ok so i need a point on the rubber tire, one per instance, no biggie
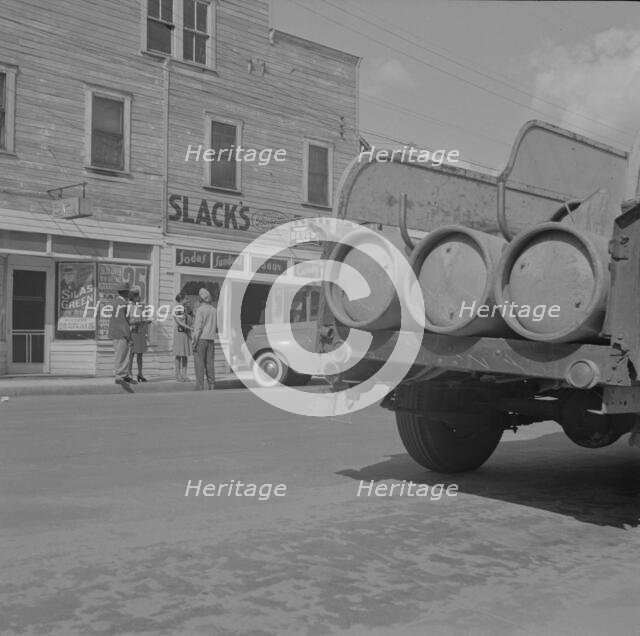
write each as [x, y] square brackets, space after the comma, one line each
[282, 374]
[433, 444]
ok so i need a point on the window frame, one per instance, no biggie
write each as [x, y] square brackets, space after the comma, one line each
[305, 172]
[174, 28]
[239, 124]
[10, 72]
[209, 32]
[126, 99]
[177, 39]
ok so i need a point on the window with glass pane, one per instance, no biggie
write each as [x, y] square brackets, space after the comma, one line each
[196, 31]
[318, 175]
[107, 133]
[223, 170]
[3, 108]
[159, 25]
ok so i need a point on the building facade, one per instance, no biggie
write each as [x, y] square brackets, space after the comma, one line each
[110, 114]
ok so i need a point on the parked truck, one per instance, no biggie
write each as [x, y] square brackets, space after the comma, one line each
[559, 227]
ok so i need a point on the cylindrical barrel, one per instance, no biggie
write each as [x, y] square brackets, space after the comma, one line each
[553, 281]
[369, 255]
[455, 267]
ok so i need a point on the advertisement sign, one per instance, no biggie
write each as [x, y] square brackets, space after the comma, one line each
[275, 266]
[76, 289]
[193, 258]
[70, 208]
[208, 215]
[308, 270]
[110, 276]
[226, 260]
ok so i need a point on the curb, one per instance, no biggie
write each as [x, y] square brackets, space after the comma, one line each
[100, 386]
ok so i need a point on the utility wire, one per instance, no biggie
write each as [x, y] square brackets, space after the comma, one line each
[428, 64]
[387, 104]
[475, 69]
[377, 133]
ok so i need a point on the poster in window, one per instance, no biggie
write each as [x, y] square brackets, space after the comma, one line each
[110, 276]
[76, 290]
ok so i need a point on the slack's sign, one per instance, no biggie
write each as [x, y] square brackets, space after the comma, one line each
[223, 216]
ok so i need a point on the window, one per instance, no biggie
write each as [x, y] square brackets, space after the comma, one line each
[305, 304]
[132, 251]
[7, 107]
[160, 26]
[195, 34]
[3, 109]
[224, 169]
[108, 130]
[78, 246]
[184, 29]
[318, 171]
[27, 241]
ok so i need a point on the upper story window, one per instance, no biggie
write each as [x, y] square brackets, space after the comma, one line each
[3, 109]
[108, 130]
[195, 34]
[318, 172]
[182, 28]
[7, 107]
[224, 138]
[160, 26]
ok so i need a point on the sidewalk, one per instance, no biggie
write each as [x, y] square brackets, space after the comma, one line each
[13, 386]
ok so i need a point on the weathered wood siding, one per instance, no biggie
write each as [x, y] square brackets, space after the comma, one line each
[58, 47]
[3, 305]
[72, 358]
[304, 91]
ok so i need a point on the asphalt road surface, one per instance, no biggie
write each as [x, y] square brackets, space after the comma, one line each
[99, 538]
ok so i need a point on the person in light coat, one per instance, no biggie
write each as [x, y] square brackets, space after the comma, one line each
[120, 334]
[205, 326]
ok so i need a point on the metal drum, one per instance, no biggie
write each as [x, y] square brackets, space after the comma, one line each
[370, 256]
[561, 269]
[455, 267]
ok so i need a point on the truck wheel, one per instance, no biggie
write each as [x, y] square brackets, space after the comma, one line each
[268, 369]
[461, 443]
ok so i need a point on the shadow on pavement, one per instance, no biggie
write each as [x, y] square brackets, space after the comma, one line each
[550, 473]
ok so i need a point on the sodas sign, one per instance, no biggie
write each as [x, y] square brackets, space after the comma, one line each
[193, 258]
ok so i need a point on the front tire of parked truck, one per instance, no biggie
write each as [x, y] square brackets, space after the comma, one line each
[452, 444]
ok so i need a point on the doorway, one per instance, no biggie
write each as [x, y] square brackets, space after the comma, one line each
[28, 331]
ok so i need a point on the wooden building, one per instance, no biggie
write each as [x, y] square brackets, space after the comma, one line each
[100, 103]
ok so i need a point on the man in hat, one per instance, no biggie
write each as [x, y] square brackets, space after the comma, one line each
[204, 333]
[120, 334]
[69, 279]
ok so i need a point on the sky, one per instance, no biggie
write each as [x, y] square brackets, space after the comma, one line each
[465, 75]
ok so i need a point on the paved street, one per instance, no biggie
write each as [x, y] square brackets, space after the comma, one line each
[99, 538]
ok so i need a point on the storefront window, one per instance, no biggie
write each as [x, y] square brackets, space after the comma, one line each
[79, 246]
[76, 290]
[133, 251]
[110, 276]
[191, 284]
[26, 241]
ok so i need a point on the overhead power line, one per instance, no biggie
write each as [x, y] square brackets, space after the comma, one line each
[387, 104]
[435, 67]
[377, 133]
[472, 68]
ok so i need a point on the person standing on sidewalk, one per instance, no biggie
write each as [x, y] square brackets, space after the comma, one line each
[204, 333]
[139, 330]
[182, 338]
[120, 334]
